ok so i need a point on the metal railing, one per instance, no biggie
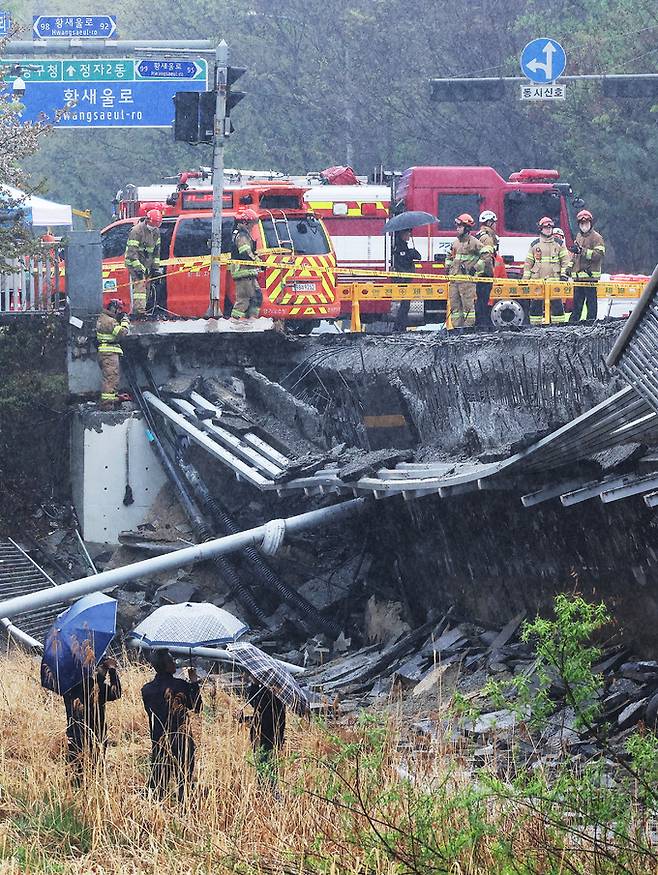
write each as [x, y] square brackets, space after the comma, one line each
[437, 289]
[33, 284]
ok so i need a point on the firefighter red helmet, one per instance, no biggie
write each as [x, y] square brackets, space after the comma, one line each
[154, 217]
[246, 215]
[585, 216]
[545, 220]
[465, 219]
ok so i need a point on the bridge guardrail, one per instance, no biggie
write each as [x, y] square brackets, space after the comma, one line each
[31, 285]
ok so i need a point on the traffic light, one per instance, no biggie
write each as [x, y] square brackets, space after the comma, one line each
[195, 116]
[630, 86]
[195, 111]
[466, 90]
[207, 101]
[232, 97]
[186, 121]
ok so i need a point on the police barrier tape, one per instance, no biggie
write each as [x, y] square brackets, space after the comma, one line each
[435, 287]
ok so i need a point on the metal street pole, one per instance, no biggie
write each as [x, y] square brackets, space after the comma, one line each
[12, 607]
[221, 65]
[92, 47]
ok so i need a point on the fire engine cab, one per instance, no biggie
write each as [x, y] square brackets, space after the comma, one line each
[298, 283]
[355, 214]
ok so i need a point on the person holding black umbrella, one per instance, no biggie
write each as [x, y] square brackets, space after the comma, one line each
[267, 731]
[86, 732]
[404, 258]
[167, 701]
[271, 691]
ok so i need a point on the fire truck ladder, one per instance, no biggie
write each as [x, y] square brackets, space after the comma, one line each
[283, 244]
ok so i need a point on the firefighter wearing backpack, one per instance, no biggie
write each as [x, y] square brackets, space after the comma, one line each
[588, 251]
[111, 326]
[143, 257]
[465, 259]
[489, 240]
[248, 296]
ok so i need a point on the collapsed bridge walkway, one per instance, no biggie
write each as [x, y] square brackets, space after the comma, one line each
[622, 419]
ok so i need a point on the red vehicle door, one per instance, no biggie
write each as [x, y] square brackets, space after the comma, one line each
[116, 281]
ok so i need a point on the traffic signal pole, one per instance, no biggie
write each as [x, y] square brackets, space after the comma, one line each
[221, 67]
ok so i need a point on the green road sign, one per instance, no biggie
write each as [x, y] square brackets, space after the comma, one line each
[109, 70]
[98, 70]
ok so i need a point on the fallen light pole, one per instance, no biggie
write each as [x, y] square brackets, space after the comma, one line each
[177, 558]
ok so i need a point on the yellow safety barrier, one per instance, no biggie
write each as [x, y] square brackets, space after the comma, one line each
[502, 289]
[432, 287]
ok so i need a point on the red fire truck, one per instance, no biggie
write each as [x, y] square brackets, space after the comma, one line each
[355, 214]
[299, 283]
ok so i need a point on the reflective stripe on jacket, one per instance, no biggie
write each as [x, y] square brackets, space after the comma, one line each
[109, 331]
[465, 255]
[143, 248]
[489, 240]
[242, 248]
[546, 260]
[589, 261]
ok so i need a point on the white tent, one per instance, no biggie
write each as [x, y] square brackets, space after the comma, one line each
[45, 213]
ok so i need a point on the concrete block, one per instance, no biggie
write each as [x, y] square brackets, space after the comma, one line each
[100, 443]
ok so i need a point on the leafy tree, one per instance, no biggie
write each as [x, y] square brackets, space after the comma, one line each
[329, 83]
[18, 140]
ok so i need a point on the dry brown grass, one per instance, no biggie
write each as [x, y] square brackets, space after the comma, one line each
[111, 826]
[231, 825]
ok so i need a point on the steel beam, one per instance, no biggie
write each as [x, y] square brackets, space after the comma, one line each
[651, 500]
[593, 489]
[229, 440]
[204, 440]
[637, 486]
[549, 492]
[256, 442]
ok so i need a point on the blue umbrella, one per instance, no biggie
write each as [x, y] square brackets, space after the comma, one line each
[77, 641]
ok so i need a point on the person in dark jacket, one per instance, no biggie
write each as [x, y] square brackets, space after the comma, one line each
[404, 257]
[86, 732]
[267, 731]
[167, 701]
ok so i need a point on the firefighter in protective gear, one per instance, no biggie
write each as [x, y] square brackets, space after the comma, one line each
[111, 326]
[248, 296]
[489, 240]
[143, 257]
[547, 259]
[465, 259]
[588, 251]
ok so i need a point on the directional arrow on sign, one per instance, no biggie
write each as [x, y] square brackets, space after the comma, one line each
[536, 65]
[70, 70]
[543, 61]
[167, 69]
[73, 26]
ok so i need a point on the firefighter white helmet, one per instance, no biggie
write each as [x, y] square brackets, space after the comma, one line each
[488, 216]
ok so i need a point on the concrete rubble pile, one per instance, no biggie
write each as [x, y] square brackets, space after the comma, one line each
[419, 676]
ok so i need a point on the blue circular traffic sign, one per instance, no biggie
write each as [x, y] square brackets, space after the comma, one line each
[543, 60]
